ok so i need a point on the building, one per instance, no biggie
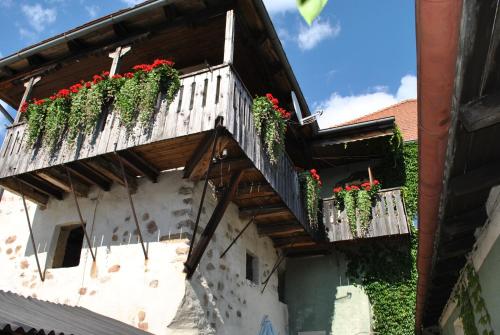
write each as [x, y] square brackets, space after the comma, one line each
[458, 253]
[170, 216]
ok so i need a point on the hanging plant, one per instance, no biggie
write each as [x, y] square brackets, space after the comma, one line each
[311, 183]
[357, 201]
[270, 122]
[78, 109]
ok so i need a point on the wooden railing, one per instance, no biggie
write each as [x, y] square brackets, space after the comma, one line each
[203, 96]
[388, 218]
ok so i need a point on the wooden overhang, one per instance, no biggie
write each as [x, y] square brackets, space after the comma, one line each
[472, 160]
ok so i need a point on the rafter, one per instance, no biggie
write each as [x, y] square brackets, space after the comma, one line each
[41, 185]
[89, 175]
[140, 165]
[60, 180]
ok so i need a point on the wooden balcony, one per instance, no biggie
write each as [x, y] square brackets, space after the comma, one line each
[271, 193]
[388, 218]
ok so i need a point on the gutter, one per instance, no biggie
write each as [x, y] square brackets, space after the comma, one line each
[437, 28]
[383, 123]
[85, 29]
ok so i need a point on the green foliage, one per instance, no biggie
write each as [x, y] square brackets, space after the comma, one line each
[36, 113]
[311, 184]
[58, 111]
[127, 100]
[472, 303]
[364, 202]
[388, 274]
[410, 186]
[350, 207]
[270, 122]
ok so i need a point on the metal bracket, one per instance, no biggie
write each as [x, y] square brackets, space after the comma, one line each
[238, 236]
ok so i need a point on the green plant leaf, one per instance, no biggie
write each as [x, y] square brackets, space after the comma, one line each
[310, 9]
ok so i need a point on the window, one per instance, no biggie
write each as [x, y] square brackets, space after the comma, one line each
[69, 247]
[252, 268]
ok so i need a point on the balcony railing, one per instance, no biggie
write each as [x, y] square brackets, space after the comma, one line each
[203, 96]
[388, 218]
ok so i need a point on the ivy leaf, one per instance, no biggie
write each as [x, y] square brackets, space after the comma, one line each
[310, 9]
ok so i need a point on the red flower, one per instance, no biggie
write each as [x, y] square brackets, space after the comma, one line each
[275, 102]
[337, 189]
[39, 102]
[117, 76]
[75, 88]
[53, 97]
[313, 171]
[143, 67]
[64, 93]
[160, 62]
[105, 73]
[368, 188]
[88, 84]
[96, 79]
[269, 96]
[24, 107]
[129, 75]
[376, 182]
[348, 188]
[355, 188]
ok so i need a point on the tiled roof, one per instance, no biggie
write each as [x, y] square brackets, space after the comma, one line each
[405, 114]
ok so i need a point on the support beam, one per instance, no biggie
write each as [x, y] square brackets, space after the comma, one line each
[229, 38]
[60, 180]
[252, 190]
[288, 242]
[41, 185]
[226, 166]
[476, 180]
[140, 165]
[481, 113]
[88, 175]
[279, 229]
[27, 93]
[262, 210]
[195, 257]
[237, 237]
[112, 171]
[30, 193]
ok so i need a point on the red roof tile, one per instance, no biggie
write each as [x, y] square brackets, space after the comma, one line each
[405, 114]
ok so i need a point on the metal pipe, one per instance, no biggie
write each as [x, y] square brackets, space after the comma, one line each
[79, 32]
[210, 165]
[70, 179]
[237, 237]
[33, 244]
[131, 202]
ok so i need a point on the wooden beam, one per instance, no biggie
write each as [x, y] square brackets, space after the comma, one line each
[476, 180]
[279, 229]
[297, 241]
[140, 165]
[226, 166]
[218, 213]
[229, 37]
[36, 60]
[27, 93]
[481, 113]
[60, 180]
[30, 193]
[200, 156]
[116, 56]
[112, 171]
[41, 185]
[262, 210]
[89, 175]
[249, 191]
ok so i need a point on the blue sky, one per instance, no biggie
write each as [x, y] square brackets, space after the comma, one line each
[358, 57]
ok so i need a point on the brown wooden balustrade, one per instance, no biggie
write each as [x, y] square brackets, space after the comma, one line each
[271, 193]
[388, 218]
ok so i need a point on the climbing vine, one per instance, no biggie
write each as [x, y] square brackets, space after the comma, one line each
[77, 110]
[357, 202]
[311, 183]
[388, 274]
[270, 122]
[472, 303]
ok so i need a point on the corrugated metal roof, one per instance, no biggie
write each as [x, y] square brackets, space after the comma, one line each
[27, 315]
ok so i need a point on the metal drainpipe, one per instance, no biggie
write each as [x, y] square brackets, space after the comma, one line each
[437, 27]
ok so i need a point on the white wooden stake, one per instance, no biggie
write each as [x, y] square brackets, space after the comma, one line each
[229, 38]
[116, 55]
[27, 92]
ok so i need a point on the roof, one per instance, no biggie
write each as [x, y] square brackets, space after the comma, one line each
[405, 113]
[22, 315]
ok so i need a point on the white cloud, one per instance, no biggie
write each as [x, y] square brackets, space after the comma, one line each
[92, 10]
[280, 6]
[339, 109]
[38, 16]
[131, 3]
[309, 37]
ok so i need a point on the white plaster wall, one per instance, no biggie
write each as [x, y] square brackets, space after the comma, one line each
[152, 295]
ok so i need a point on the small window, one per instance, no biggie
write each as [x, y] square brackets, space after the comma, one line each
[69, 247]
[252, 268]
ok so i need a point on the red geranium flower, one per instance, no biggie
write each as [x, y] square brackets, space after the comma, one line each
[117, 76]
[88, 84]
[24, 107]
[96, 79]
[348, 188]
[376, 182]
[129, 75]
[337, 189]
[64, 93]
[355, 188]
[105, 73]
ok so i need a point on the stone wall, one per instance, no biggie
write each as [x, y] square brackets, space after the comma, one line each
[152, 295]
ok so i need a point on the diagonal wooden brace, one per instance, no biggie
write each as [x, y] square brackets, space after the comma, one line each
[238, 236]
[197, 253]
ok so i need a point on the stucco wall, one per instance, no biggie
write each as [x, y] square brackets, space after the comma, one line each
[153, 294]
[321, 298]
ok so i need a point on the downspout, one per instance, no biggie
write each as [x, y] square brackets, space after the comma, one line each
[437, 28]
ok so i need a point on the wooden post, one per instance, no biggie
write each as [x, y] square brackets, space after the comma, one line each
[229, 38]
[116, 55]
[370, 175]
[27, 92]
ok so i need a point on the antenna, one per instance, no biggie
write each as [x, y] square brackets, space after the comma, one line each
[308, 119]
